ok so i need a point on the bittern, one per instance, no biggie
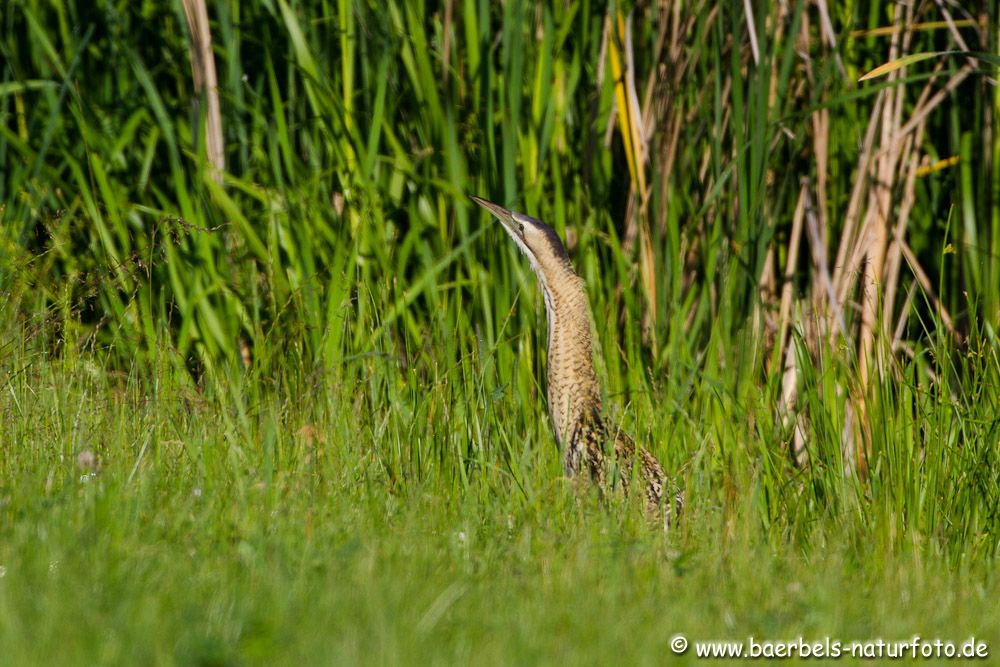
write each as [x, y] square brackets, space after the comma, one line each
[576, 413]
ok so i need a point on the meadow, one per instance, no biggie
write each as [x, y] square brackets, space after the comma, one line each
[272, 388]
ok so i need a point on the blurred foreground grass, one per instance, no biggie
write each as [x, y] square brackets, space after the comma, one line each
[292, 409]
[167, 528]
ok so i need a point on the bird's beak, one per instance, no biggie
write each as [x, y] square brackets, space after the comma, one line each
[501, 214]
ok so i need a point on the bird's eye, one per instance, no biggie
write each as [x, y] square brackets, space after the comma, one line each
[521, 227]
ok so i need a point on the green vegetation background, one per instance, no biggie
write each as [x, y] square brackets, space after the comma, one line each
[298, 414]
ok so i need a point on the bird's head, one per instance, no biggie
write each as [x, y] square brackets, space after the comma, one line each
[537, 241]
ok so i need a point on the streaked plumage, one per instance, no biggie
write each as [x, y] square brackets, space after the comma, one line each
[574, 392]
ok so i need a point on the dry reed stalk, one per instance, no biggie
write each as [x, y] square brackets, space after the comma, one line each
[904, 316]
[820, 121]
[636, 141]
[206, 83]
[957, 36]
[842, 279]
[893, 263]
[928, 287]
[788, 409]
[821, 273]
[752, 30]
[923, 25]
[446, 41]
[866, 245]
[920, 114]
[788, 402]
[829, 36]
[792, 260]
[875, 240]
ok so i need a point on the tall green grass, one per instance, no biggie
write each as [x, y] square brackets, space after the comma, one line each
[317, 386]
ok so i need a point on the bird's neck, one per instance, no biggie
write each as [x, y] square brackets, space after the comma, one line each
[574, 391]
